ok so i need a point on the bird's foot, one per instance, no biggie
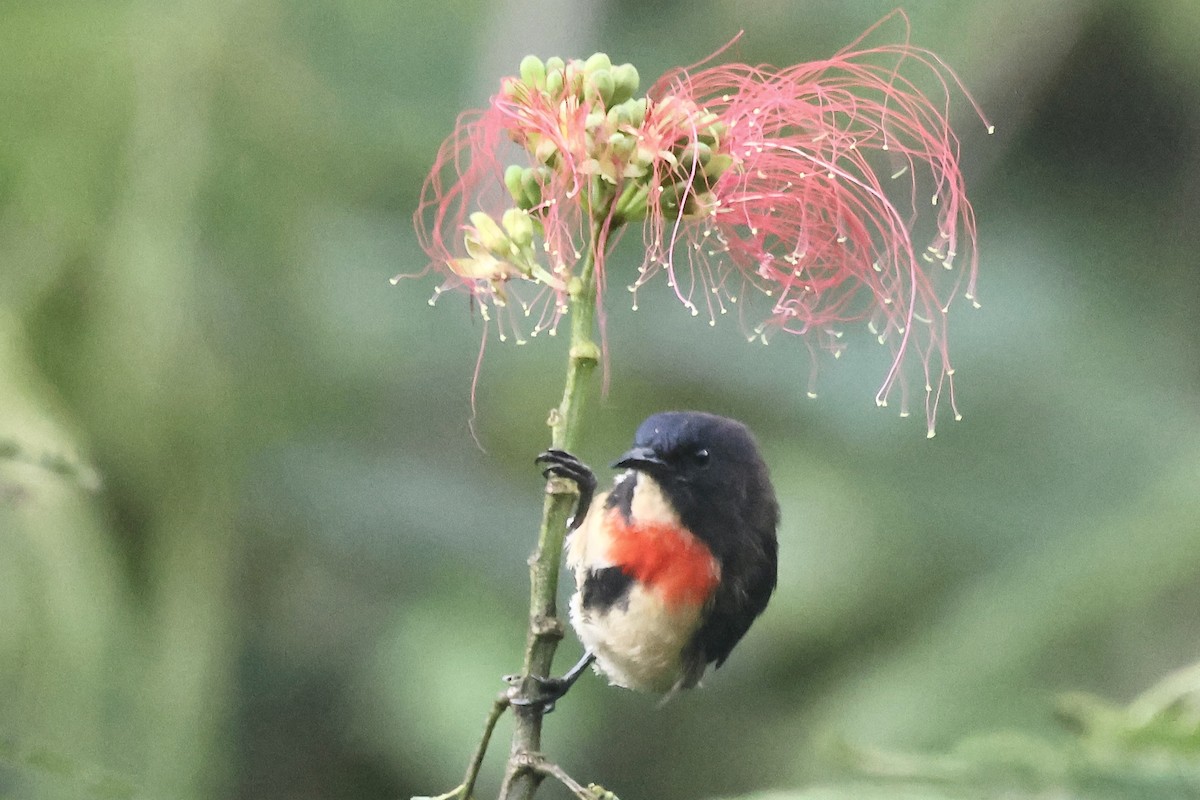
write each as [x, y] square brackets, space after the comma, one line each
[560, 463]
[548, 691]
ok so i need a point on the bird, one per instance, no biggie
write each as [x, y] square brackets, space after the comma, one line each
[674, 563]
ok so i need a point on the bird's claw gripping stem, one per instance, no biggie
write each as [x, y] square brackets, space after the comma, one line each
[550, 690]
[562, 464]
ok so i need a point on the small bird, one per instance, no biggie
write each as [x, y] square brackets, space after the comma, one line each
[675, 562]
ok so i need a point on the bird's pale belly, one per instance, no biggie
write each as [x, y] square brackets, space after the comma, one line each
[639, 641]
[639, 626]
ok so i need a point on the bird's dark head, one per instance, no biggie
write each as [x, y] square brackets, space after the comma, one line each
[702, 459]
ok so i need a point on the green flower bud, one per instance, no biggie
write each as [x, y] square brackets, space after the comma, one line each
[602, 82]
[533, 72]
[636, 169]
[637, 111]
[622, 144]
[695, 153]
[481, 268]
[575, 77]
[532, 180]
[519, 225]
[554, 64]
[554, 81]
[717, 166]
[546, 152]
[605, 169]
[512, 181]
[626, 80]
[671, 196]
[512, 89]
[697, 204]
[632, 204]
[647, 155]
[616, 117]
[714, 133]
[488, 233]
[597, 62]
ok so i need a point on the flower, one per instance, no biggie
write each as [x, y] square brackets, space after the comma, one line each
[810, 218]
[575, 126]
[797, 194]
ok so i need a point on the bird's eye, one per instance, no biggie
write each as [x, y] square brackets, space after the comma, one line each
[700, 457]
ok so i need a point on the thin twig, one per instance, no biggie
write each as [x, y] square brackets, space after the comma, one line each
[454, 793]
[466, 789]
[468, 784]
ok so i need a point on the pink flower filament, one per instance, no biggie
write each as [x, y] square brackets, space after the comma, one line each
[792, 193]
[832, 162]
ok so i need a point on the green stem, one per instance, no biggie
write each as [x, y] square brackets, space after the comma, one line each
[545, 628]
[467, 789]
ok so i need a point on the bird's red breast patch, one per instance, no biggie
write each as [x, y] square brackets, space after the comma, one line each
[663, 557]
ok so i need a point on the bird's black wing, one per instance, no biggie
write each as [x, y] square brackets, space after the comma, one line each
[738, 600]
[749, 564]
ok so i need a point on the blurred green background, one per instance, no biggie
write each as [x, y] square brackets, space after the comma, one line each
[250, 549]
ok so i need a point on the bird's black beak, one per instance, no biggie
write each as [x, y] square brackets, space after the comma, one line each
[642, 458]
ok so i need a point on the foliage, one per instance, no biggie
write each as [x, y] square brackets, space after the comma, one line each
[275, 563]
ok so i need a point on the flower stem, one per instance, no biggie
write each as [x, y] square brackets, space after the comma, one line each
[545, 628]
